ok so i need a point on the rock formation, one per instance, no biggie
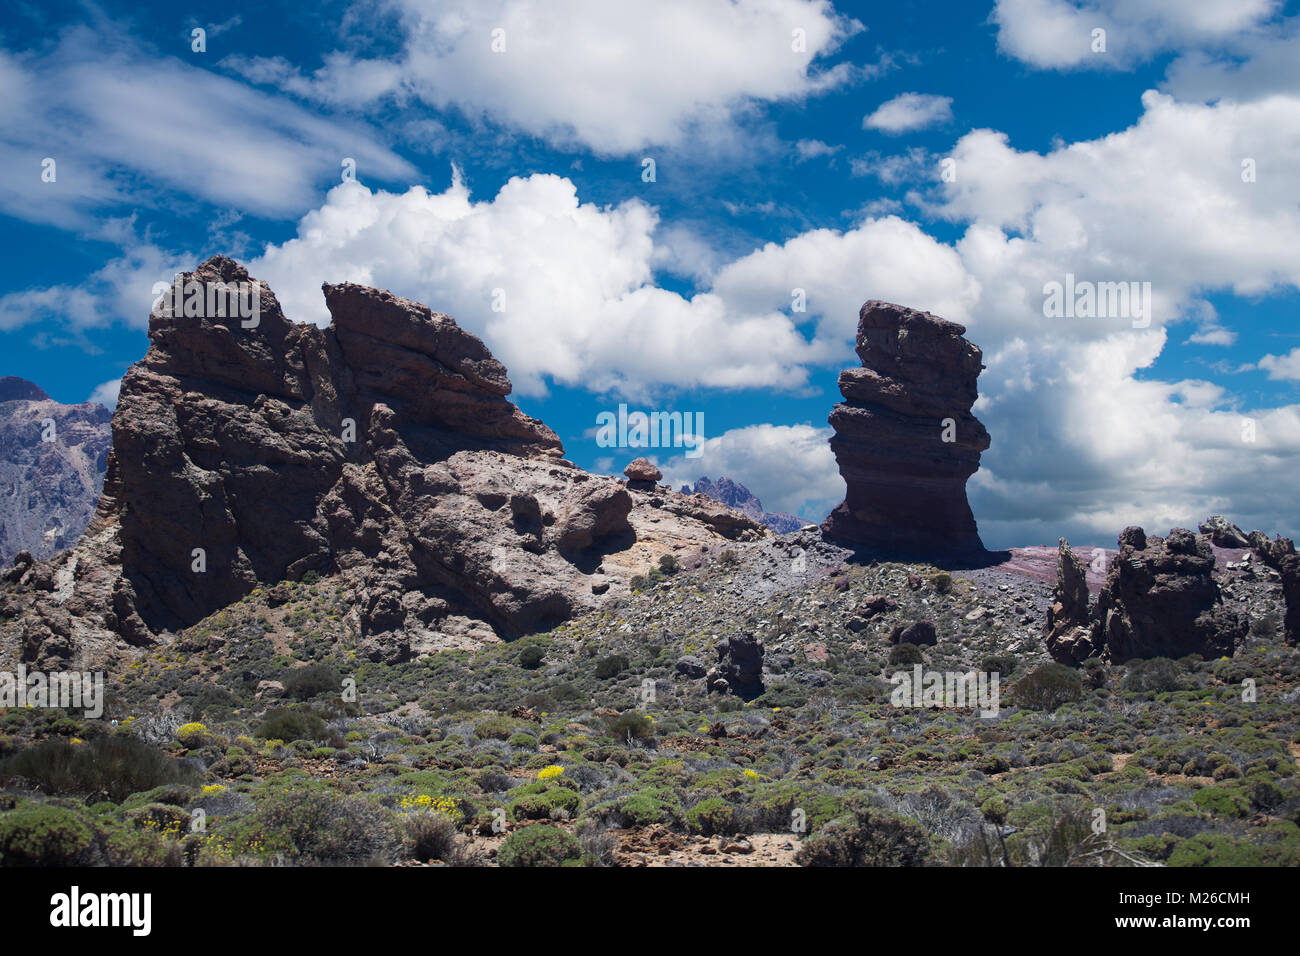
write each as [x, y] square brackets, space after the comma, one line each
[1161, 600]
[52, 459]
[739, 669]
[1273, 552]
[382, 449]
[739, 498]
[1290, 570]
[1068, 631]
[905, 439]
[1223, 533]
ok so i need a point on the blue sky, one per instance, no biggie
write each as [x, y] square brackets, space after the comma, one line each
[782, 160]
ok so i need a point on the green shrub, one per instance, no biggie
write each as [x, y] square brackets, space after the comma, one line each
[668, 564]
[1153, 676]
[710, 816]
[631, 724]
[115, 766]
[427, 835]
[1266, 625]
[540, 845]
[315, 825]
[774, 804]
[1001, 664]
[905, 654]
[495, 728]
[941, 582]
[304, 683]
[654, 805]
[1275, 844]
[611, 666]
[44, 836]
[292, 724]
[1047, 687]
[994, 809]
[531, 657]
[193, 735]
[867, 836]
[1221, 802]
[540, 800]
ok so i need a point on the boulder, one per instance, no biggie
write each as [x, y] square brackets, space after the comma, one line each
[918, 632]
[642, 474]
[688, 665]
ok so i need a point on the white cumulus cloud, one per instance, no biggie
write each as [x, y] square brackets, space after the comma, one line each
[611, 77]
[1059, 34]
[908, 112]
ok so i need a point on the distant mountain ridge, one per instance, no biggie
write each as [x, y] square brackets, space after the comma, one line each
[736, 496]
[52, 461]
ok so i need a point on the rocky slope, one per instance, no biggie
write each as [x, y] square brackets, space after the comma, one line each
[905, 438]
[52, 459]
[382, 448]
[739, 498]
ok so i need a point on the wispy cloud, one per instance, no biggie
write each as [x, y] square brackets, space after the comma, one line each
[127, 128]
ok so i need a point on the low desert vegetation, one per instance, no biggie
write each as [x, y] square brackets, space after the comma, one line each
[597, 744]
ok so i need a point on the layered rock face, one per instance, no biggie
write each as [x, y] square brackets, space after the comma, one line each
[905, 439]
[382, 448]
[52, 460]
[1161, 600]
[739, 498]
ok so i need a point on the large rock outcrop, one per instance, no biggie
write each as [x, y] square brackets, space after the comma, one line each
[382, 448]
[52, 460]
[905, 438]
[1161, 600]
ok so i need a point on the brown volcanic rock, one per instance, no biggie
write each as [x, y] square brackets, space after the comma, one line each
[382, 448]
[48, 489]
[1290, 570]
[1271, 552]
[1068, 631]
[642, 469]
[906, 486]
[739, 669]
[1161, 600]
